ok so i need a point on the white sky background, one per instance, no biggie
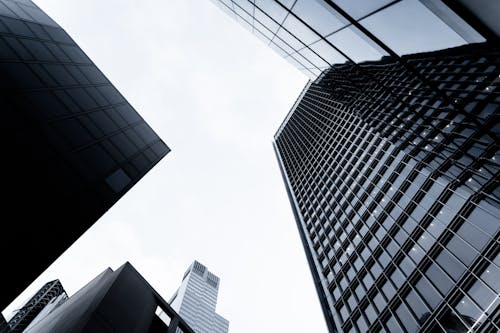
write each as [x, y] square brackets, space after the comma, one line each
[216, 95]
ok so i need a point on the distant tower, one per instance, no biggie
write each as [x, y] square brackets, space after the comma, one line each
[50, 296]
[196, 299]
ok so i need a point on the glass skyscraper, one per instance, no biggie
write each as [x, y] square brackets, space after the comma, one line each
[72, 145]
[390, 157]
[196, 300]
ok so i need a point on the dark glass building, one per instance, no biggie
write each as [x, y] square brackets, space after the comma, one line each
[390, 157]
[120, 301]
[51, 295]
[72, 145]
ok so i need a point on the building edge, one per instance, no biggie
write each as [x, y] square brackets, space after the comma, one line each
[324, 302]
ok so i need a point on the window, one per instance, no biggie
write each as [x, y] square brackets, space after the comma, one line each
[17, 27]
[300, 30]
[118, 180]
[428, 293]
[73, 131]
[482, 295]
[359, 8]
[97, 159]
[327, 52]
[423, 32]
[271, 8]
[406, 317]
[61, 75]
[460, 249]
[439, 279]
[38, 49]
[416, 304]
[356, 45]
[484, 220]
[319, 15]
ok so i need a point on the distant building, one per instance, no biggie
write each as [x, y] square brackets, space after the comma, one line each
[196, 300]
[120, 301]
[45, 300]
[4, 327]
[72, 145]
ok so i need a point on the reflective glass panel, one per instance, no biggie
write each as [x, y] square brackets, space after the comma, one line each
[289, 39]
[284, 46]
[313, 58]
[243, 15]
[351, 42]
[466, 308]
[271, 8]
[245, 4]
[263, 30]
[300, 30]
[409, 27]
[359, 8]
[266, 21]
[319, 15]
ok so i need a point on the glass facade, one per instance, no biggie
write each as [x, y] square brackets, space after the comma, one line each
[72, 144]
[196, 300]
[395, 189]
[315, 34]
[390, 157]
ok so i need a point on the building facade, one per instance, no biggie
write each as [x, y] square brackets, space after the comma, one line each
[395, 192]
[196, 300]
[72, 144]
[46, 299]
[315, 34]
[390, 157]
[118, 301]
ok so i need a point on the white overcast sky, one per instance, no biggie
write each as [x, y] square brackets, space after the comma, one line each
[216, 95]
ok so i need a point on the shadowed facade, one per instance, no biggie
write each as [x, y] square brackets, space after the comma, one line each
[118, 301]
[72, 144]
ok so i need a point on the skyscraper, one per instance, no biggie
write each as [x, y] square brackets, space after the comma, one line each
[48, 297]
[118, 301]
[390, 157]
[395, 193]
[196, 299]
[72, 144]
